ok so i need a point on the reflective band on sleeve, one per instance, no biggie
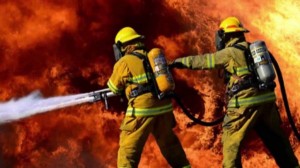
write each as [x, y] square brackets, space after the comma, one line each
[138, 79]
[210, 61]
[255, 100]
[112, 87]
[149, 111]
[242, 71]
[185, 61]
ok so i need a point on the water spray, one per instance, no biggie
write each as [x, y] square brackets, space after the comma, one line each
[35, 103]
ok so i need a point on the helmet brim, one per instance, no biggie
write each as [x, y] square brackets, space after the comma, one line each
[131, 38]
[233, 30]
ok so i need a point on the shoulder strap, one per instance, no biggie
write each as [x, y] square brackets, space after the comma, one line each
[146, 63]
[141, 56]
[227, 74]
[149, 72]
[248, 56]
[238, 46]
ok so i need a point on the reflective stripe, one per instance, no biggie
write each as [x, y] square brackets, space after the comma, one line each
[242, 71]
[210, 61]
[149, 111]
[185, 61]
[113, 88]
[255, 100]
[139, 78]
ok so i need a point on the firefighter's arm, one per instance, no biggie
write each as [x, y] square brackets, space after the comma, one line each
[191, 62]
[205, 61]
[117, 80]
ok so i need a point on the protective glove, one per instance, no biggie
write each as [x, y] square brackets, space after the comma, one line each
[173, 64]
[170, 64]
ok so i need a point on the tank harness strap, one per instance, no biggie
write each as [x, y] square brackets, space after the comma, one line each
[245, 82]
[238, 46]
[247, 52]
[254, 82]
[141, 56]
[141, 88]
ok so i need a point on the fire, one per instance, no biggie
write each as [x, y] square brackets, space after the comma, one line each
[66, 47]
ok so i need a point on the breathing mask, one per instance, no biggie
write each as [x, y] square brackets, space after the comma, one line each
[220, 39]
[117, 50]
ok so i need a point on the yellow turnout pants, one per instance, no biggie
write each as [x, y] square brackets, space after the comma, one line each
[265, 120]
[135, 132]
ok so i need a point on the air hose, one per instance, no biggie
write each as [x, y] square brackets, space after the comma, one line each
[284, 97]
[193, 118]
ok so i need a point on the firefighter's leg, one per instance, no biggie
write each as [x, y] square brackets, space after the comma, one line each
[235, 126]
[134, 134]
[168, 142]
[274, 138]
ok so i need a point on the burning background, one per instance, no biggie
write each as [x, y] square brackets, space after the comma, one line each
[65, 47]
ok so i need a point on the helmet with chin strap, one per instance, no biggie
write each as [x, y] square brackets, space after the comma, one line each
[229, 25]
[125, 36]
[232, 24]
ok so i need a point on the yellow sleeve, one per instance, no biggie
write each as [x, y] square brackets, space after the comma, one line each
[119, 77]
[206, 61]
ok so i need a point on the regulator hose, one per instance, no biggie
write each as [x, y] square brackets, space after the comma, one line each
[284, 97]
[194, 119]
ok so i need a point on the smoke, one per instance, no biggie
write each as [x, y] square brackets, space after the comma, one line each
[65, 48]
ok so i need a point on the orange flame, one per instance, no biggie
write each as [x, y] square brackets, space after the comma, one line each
[63, 48]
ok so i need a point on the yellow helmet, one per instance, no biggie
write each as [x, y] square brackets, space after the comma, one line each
[232, 24]
[126, 34]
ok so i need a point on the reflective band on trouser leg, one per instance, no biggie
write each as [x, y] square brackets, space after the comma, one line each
[268, 97]
[149, 111]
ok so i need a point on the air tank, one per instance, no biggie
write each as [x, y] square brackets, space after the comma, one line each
[161, 71]
[262, 62]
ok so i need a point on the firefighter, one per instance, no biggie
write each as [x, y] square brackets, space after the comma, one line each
[248, 106]
[146, 114]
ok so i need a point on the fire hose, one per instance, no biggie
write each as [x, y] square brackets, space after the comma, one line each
[41, 105]
[219, 120]
[193, 118]
[284, 97]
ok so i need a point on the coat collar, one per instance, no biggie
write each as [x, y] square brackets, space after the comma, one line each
[233, 41]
